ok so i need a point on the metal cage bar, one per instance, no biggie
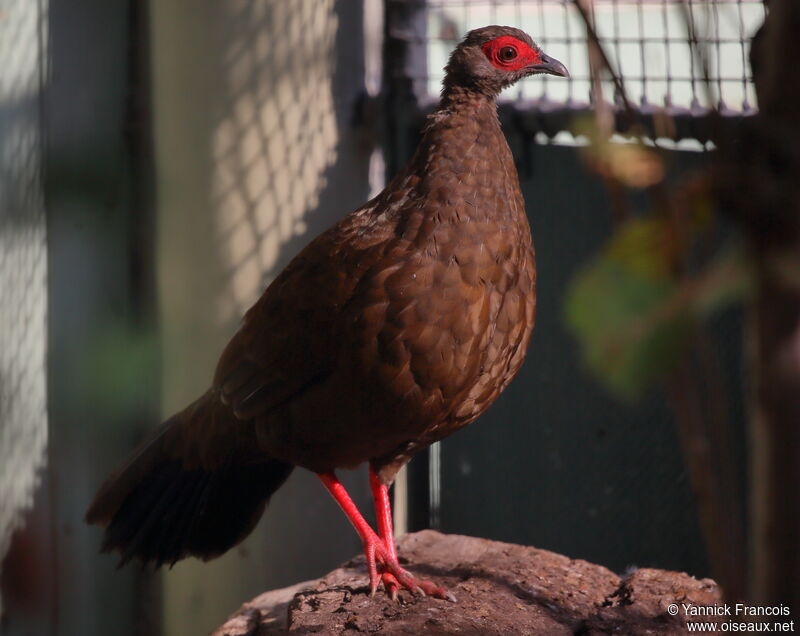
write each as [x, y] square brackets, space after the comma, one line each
[678, 57]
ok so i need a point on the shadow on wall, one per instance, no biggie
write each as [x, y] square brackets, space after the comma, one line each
[275, 141]
[256, 155]
[278, 164]
[23, 268]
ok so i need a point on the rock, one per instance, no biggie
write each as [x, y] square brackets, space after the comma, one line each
[501, 589]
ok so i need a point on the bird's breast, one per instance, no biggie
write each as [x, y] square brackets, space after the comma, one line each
[442, 313]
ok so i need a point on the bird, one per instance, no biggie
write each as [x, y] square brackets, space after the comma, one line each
[399, 325]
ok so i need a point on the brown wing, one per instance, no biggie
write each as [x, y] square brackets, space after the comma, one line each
[286, 342]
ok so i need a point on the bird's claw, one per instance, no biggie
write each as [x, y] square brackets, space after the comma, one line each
[431, 589]
[390, 584]
[385, 569]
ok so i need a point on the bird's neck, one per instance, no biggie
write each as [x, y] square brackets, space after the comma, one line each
[463, 162]
[463, 132]
[463, 125]
[465, 99]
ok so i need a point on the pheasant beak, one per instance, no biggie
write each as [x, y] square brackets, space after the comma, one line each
[549, 65]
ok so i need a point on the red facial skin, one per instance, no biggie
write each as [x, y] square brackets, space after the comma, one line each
[525, 54]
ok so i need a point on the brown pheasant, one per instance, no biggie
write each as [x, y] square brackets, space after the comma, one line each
[399, 325]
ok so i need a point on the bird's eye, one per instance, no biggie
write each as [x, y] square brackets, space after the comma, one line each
[508, 53]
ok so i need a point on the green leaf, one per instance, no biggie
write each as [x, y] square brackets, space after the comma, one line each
[632, 320]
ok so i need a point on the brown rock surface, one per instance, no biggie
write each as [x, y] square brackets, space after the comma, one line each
[501, 589]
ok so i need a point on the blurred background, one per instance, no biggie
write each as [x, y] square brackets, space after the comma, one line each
[161, 162]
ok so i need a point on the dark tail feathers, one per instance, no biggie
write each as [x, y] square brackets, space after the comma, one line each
[160, 511]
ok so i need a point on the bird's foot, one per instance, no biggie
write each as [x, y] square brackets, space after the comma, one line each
[400, 578]
[384, 568]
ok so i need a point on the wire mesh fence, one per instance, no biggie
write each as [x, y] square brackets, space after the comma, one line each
[277, 102]
[682, 57]
[23, 260]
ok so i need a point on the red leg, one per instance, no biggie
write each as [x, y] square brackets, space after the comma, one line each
[372, 543]
[383, 512]
[379, 550]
